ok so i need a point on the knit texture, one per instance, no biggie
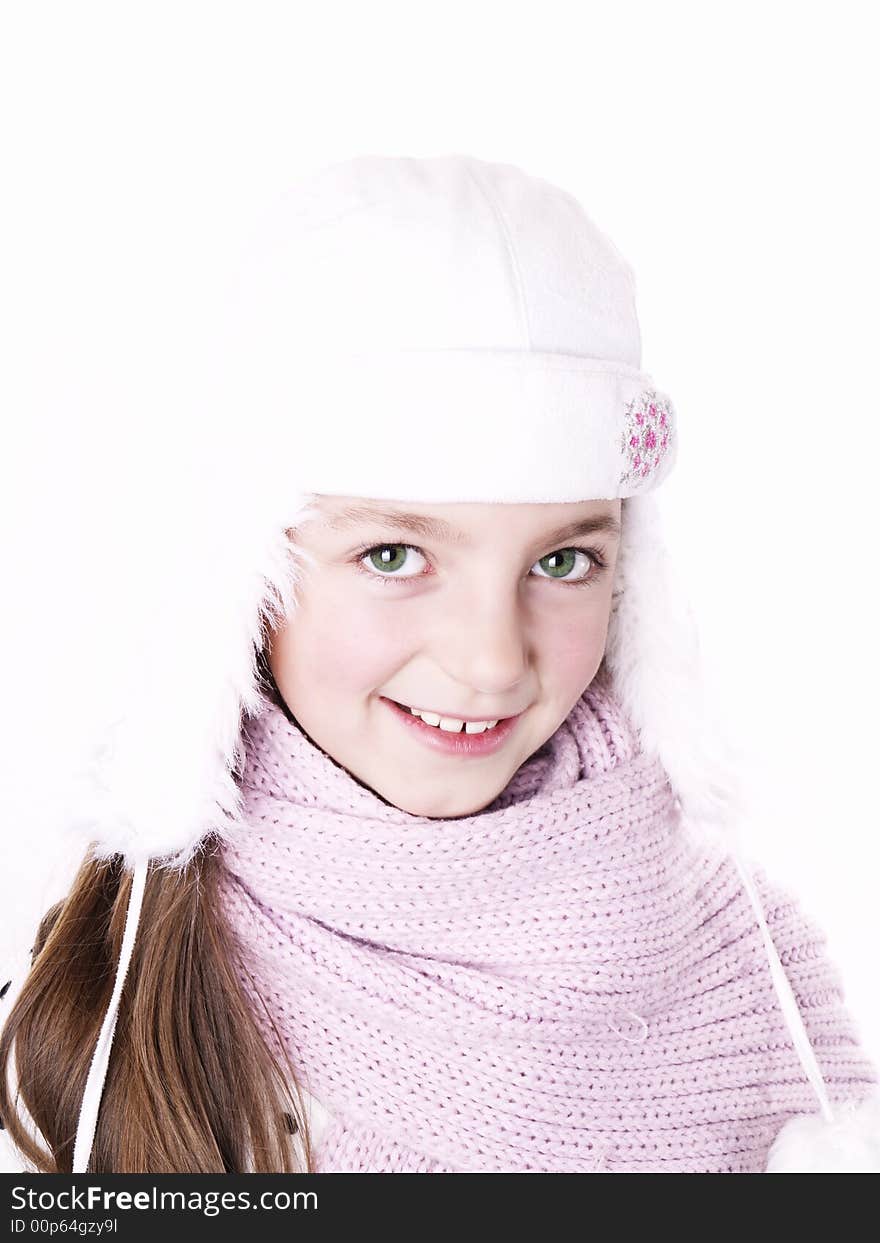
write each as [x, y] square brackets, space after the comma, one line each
[565, 981]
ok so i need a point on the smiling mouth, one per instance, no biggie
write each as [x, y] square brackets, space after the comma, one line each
[453, 735]
[452, 716]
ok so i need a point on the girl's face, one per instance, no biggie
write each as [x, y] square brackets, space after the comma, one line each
[464, 611]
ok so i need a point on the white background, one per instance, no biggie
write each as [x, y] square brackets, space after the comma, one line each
[731, 155]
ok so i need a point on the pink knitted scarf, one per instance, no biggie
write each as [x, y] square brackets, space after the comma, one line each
[564, 981]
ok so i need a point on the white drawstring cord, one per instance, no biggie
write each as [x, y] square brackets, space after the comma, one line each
[788, 1003]
[91, 1101]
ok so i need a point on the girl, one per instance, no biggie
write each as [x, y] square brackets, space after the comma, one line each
[415, 849]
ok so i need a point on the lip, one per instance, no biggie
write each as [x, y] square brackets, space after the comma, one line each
[461, 743]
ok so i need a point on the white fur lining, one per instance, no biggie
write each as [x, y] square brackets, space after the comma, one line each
[850, 1144]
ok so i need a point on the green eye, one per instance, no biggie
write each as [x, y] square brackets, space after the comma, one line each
[388, 556]
[559, 564]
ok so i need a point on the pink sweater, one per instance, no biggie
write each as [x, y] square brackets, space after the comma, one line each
[563, 982]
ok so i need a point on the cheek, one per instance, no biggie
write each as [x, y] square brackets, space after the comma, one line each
[342, 641]
[573, 642]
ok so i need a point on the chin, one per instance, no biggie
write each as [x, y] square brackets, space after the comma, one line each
[447, 810]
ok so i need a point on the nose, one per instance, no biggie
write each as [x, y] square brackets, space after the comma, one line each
[485, 646]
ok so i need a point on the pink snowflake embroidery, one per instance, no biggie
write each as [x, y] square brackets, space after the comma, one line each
[643, 447]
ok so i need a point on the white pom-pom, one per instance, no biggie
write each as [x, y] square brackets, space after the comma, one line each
[848, 1145]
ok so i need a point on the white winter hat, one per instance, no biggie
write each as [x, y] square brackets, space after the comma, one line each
[433, 330]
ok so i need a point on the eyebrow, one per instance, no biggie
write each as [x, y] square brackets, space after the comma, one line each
[436, 529]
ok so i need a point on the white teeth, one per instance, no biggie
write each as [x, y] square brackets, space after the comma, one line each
[451, 724]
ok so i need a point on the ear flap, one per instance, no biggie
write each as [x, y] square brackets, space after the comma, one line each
[652, 654]
[162, 775]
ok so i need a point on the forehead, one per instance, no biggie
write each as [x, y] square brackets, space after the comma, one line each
[458, 523]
